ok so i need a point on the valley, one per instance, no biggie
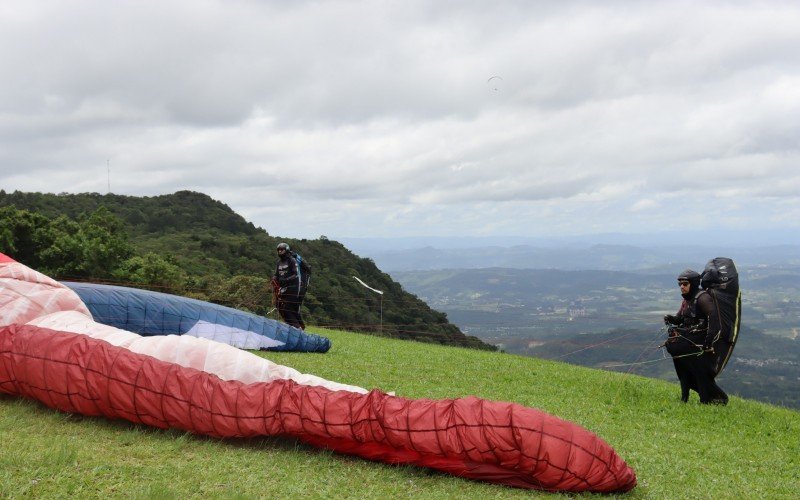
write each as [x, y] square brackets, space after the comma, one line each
[614, 320]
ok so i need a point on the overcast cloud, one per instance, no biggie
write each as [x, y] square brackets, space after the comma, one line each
[377, 118]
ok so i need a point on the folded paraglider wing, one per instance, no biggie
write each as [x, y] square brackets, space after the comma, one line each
[58, 355]
[154, 313]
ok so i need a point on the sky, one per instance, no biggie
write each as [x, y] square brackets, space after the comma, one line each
[414, 118]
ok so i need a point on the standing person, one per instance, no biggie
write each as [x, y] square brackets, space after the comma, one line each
[291, 275]
[692, 333]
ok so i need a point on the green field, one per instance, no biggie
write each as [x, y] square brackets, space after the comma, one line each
[746, 449]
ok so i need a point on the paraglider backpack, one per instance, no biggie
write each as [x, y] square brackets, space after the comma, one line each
[721, 280]
[720, 273]
[303, 270]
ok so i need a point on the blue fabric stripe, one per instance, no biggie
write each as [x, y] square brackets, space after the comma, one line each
[154, 313]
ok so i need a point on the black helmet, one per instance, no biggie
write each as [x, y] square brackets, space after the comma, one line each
[284, 247]
[690, 275]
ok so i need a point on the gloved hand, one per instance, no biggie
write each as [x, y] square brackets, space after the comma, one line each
[670, 319]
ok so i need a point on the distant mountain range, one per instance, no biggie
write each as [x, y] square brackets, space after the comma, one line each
[398, 255]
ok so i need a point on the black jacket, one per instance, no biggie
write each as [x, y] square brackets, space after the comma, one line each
[698, 313]
[286, 274]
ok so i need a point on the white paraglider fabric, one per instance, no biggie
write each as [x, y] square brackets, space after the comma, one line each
[29, 297]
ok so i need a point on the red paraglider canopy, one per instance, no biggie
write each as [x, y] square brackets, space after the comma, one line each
[99, 370]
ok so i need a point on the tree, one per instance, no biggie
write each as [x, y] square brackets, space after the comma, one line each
[104, 243]
[152, 271]
[249, 293]
[62, 255]
[62, 247]
[23, 234]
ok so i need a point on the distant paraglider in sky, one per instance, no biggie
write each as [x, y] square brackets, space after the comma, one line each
[52, 351]
[494, 83]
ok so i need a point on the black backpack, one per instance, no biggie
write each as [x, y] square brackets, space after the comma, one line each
[720, 273]
[303, 270]
[721, 280]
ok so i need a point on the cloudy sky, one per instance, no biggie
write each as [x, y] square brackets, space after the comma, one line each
[382, 118]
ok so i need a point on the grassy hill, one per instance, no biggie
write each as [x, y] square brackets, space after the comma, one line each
[746, 449]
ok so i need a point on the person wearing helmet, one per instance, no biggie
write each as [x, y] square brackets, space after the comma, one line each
[288, 281]
[690, 341]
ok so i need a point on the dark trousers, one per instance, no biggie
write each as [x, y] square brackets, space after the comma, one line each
[695, 371]
[289, 310]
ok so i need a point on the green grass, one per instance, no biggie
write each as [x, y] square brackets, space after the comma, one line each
[747, 449]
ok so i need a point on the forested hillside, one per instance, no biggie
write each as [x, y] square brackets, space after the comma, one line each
[187, 243]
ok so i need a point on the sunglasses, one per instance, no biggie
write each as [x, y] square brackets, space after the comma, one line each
[682, 283]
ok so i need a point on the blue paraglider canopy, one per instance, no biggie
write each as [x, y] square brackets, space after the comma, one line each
[154, 313]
